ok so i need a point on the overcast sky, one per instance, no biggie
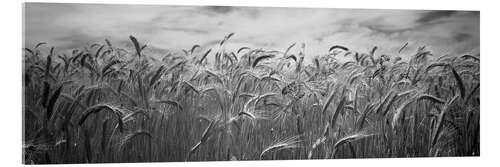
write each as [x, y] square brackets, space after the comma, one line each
[173, 28]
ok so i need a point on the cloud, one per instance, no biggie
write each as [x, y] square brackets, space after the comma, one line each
[219, 9]
[186, 30]
[461, 37]
[180, 27]
[431, 16]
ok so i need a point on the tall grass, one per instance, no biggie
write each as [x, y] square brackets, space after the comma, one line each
[101, 103]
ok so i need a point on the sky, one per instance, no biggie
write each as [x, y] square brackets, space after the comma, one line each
[173, 28]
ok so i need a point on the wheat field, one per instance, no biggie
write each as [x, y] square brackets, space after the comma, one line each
[105, 104]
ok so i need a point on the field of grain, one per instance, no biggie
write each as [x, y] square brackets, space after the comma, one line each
[103, 104]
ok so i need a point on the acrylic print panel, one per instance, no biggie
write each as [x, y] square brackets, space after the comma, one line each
[158, 83]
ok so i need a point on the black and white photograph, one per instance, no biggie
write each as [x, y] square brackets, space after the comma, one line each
[135, 83]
